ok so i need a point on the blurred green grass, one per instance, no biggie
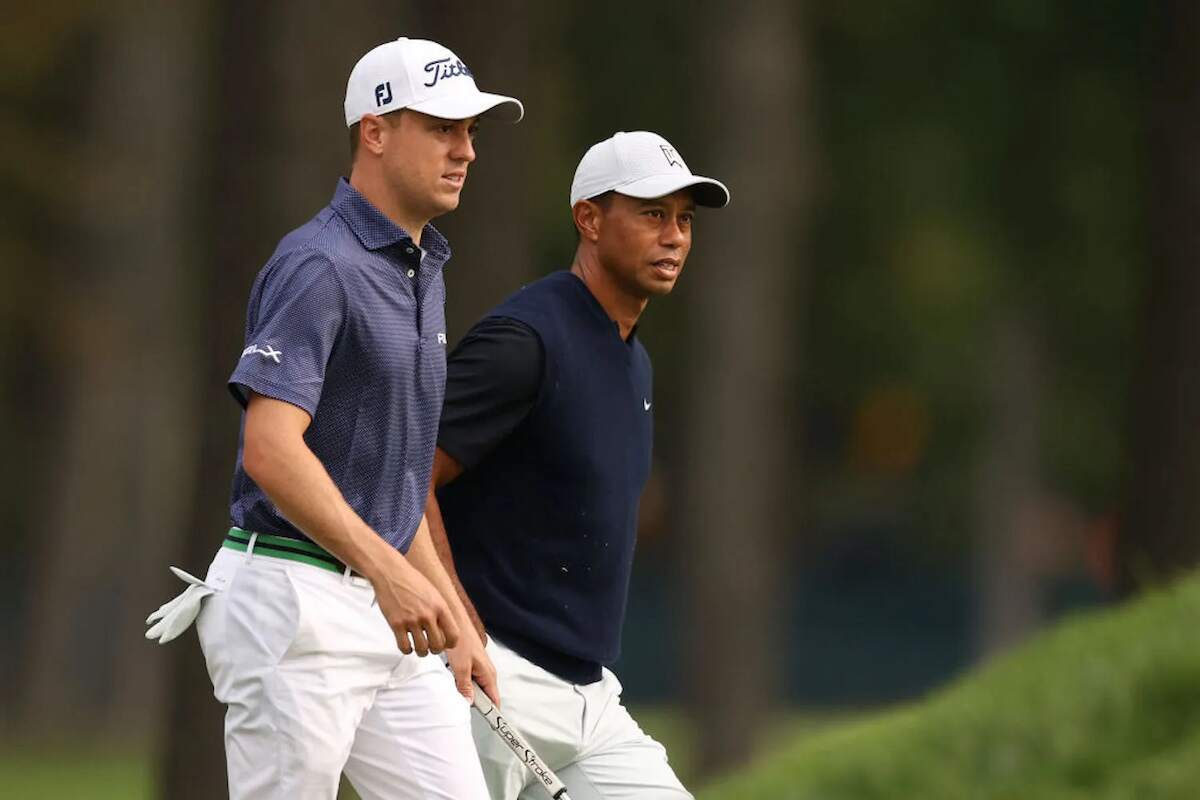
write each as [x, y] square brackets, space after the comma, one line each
[61, 772]
[1104, 706]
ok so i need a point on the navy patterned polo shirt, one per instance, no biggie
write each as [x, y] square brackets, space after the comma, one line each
[347, 321]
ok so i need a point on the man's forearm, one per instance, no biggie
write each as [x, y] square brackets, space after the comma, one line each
[441, 546]
[276, 457]
[300, 487]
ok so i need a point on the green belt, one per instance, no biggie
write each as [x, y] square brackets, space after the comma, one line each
[282, 547]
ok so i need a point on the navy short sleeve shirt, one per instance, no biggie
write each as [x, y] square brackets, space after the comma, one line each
[347, 321]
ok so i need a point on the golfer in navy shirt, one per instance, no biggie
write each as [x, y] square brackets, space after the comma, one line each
[326, 594]
[543, 452]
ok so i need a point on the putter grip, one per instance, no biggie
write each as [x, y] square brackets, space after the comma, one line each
[502, 728]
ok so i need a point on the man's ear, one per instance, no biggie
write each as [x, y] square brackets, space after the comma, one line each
[372, 132]
[588, 217]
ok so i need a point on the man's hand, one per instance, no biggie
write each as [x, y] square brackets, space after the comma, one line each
[414, 608]
[470, 660]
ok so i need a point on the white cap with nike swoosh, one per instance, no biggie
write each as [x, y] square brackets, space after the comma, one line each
[426, 77]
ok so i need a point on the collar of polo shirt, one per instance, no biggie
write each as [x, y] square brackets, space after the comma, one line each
[376, 231]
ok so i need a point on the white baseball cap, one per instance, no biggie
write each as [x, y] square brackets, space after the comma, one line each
[643, 165]
[424, 76]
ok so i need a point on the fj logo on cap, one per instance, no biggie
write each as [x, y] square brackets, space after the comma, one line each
[383, 94]
[671, 155]
[444, 68]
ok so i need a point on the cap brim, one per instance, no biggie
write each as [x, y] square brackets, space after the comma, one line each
[705, 191]
[473, 104]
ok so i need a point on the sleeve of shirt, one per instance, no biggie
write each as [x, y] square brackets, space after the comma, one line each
[296, 315]
[493, 378]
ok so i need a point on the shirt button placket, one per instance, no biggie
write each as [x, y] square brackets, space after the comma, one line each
[411, 252]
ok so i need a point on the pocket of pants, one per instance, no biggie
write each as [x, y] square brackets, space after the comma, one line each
[262, 616]
[336, 620]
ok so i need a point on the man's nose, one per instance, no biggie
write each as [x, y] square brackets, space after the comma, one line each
[673, 234]
[464, 148]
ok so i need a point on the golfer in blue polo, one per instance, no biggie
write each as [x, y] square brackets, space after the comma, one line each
[326, 597]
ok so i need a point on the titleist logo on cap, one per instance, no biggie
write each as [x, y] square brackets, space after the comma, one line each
[444, 68]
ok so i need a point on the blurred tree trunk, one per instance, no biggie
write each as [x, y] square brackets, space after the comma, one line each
[121, 476]
[745, 321]
[1008, 486]
[1160, 535]
[192, 760]
[491, 232]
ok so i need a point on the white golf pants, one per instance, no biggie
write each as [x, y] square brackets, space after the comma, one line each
[583, 733]
[315, 684]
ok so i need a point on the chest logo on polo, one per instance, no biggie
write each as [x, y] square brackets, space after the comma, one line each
[265, 352]
[646, 404]
[442, 338]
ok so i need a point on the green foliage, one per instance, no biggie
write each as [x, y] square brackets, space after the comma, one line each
[1104, 706]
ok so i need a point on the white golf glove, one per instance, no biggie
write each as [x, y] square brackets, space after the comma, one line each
[176, 616]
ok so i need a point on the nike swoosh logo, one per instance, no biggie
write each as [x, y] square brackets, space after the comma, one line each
[646, 404]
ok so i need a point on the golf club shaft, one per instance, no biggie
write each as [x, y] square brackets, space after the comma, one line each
[502, 728]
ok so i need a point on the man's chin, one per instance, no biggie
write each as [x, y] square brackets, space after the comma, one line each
[658, 288]
[444, 203]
